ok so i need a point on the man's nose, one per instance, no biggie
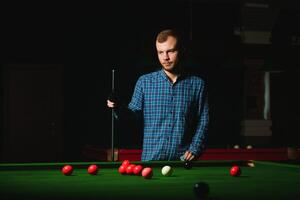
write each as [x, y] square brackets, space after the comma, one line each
[166, 56]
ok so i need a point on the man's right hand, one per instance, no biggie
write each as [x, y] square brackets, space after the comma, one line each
[112, 100]
[111, 104]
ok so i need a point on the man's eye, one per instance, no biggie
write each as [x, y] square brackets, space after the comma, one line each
[172, 51]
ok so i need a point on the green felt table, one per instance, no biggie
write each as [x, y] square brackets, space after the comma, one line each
[266, 180]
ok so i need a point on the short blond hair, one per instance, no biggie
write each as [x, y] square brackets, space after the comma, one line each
[163, 36]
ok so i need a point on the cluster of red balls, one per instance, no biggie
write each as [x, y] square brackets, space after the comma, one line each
[133, 169]
[68, 169]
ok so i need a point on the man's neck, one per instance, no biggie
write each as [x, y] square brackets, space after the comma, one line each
[172, 76]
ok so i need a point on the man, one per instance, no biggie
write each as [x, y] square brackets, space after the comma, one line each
[173, 106]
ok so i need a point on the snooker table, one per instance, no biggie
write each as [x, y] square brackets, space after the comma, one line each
[266, 180]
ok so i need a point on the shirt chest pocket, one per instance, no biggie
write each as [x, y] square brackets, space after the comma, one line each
[157, 100]
[186, 104]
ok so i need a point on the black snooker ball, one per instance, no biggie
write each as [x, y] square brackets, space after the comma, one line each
[187, 165]
[201, 190]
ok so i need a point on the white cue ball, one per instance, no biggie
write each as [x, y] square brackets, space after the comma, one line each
[167, 170]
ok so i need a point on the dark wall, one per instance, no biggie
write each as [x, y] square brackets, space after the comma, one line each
[116, 35]
[122, 37]
[92, 40]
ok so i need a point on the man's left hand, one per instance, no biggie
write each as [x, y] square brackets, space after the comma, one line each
[188, 156]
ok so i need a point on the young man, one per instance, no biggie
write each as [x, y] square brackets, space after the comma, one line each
[173, 105]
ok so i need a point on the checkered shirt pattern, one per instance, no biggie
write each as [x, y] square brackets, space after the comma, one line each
[175, 115]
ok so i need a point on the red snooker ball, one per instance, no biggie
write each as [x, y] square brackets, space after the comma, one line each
[129, 169]
[147, 173]
[235, 171]
[122, 169]
[126, 163]
[137, 169]
[67, 170]
[93, 169]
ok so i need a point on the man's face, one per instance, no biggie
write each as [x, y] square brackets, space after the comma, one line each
[168, 54]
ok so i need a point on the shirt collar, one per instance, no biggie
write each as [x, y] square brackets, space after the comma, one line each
[164, 75]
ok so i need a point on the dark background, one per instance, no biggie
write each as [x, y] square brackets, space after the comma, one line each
[80, 44]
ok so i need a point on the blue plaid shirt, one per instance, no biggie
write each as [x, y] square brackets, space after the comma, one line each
[175, 115]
